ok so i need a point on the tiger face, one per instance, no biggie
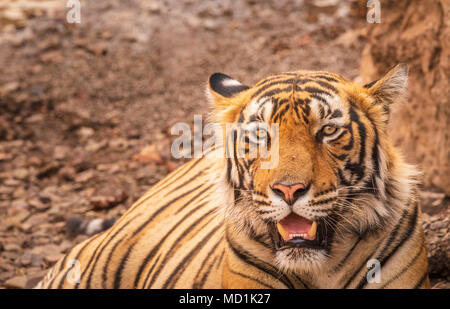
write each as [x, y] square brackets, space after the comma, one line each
[331, 155]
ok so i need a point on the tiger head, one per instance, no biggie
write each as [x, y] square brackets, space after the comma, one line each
[332, 170]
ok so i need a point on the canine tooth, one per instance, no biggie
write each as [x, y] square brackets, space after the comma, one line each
[313, 230]
[283, 232]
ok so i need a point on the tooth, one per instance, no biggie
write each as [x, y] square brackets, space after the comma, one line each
[312, 231]
[283, 232]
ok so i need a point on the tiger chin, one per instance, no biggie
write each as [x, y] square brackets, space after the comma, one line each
[305, 190]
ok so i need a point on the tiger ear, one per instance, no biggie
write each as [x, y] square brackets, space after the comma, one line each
[222, 90]
[391, 87]
[225, 86]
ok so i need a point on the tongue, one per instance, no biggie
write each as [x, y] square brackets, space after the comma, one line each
[295, 224]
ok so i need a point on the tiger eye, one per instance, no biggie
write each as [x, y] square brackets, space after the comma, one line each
[328, 130]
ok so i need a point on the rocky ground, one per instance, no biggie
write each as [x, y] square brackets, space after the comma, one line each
[86, 109]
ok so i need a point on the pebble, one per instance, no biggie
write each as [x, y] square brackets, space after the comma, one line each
[67, 173]
[52, 259]
[18, 282]
[48, 170]
[11, 247]
[437, 225]
[38, 205]
[85, 176]
[31, 259]
[20, 173]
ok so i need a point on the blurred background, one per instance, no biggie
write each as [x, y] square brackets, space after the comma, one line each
[86, 108]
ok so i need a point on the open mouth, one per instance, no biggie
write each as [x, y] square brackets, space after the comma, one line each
[295, 231]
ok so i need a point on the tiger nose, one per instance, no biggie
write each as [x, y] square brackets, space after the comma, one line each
[290, 193]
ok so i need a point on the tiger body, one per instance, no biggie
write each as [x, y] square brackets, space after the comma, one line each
[213, 222]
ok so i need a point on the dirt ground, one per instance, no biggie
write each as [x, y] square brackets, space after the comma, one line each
[86, 109]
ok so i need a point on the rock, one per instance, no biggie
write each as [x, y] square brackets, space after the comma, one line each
[6, 190]
[34, 118]
[6, 275]
[46, 250]
[118, 144]
[34, 280]
[94, 146]
[11, 247]
[48, 170]
[438, 225]
[85, 132]
[37, 219]
[148, 154]
[8, 88]
[49, 43]
[11, 182]
[16, 220]
[5, 156]
[17, 206]
[171, 166]
[54, 56]
[106, 202]
[61, 152]
[99, 49]
[52, 259]
[38, 205]
[31, 259]
[18, 282]
[67, 173]
[20, 173]
[34, 161]
[19, 192]
[85, 176]
[5, 266]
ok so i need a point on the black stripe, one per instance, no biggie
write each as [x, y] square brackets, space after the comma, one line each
[313, 90]
[61, 267]
[159, 210]
[412, 223]
[328, 78]
[358, 270]
[108, 240]
[421, 280]
[199, 285]
[252, 279]
[177, 272]
[404, 269]
[341, 263]
[88, 242]
[370, 84]
[251, 260]
[275, 91]
[336, 114]
[168, 254]
[385, 258]
[362, 134]
[390, 239]
[270, 84]
[327, 85]
[160, 243]
[139, 229]
[118, 275]
[165, 184]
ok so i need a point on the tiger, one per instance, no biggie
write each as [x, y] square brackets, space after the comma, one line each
[338, 208]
